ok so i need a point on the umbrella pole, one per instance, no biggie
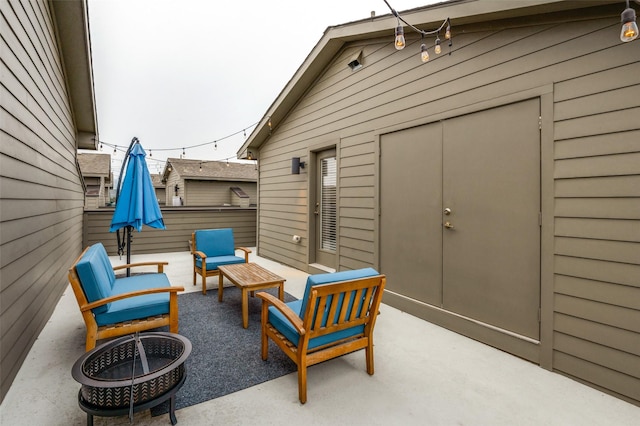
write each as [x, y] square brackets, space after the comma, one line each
[129, 249]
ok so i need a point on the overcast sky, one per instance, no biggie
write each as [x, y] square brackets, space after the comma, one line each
[179, 73]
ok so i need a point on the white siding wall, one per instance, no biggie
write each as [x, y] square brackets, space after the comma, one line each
[41, 195]
[594, 81]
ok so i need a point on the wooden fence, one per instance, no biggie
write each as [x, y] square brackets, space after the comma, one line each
[180, 222]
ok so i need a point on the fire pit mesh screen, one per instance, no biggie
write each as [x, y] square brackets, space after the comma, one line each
[107, 371]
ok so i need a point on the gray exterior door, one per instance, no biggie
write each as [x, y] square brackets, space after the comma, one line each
[460, 203]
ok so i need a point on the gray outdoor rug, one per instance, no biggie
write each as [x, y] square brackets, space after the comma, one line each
[225, 357]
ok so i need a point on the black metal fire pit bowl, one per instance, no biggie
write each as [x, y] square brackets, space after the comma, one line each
[131, 374]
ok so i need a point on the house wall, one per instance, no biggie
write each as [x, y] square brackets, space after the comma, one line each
[216, 193]
[41, 194]
[590, 89]
[173, 179]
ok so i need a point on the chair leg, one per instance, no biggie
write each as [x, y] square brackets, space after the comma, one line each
[204, 283]
[369, 355]
[194, 275]
[302, 383]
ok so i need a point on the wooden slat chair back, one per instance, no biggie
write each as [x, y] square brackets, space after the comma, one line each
[211, 248]
[132, 324]
[333, 319]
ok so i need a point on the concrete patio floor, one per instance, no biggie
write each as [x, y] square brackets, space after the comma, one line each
[424, 375]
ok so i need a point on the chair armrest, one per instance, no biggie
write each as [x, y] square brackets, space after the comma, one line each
[246, 253]
[292, 317]
[199, 254]
[133, 265]
[110, 299]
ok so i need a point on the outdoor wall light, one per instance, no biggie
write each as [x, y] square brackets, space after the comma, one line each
[176, 188]
[296, 165]
[629, 30]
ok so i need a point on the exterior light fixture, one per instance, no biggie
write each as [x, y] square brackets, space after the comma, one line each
[200, 166]
[400, 41]
[629, 30]
[296, 165]
[438, 48]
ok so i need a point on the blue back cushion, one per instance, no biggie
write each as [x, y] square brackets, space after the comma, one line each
[332, 278]
[215, 242]
[96, 275]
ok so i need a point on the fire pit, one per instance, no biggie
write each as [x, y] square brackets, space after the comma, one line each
[131, 373]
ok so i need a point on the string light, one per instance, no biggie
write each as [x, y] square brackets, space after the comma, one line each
[424, 53]
[400, 41]
[629, 30]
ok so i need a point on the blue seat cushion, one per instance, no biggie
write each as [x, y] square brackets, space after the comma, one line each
[96, 275]
[214, 262]
[215, 242]
[278, 320]
[136, 307]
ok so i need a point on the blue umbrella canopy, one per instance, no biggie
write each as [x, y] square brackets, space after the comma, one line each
[137, 204]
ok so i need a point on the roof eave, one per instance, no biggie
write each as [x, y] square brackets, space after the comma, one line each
[72, 25]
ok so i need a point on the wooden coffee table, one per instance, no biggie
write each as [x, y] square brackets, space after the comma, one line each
[249, 277]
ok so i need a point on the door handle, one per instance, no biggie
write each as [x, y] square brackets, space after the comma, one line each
[448, 225]
[317, 211]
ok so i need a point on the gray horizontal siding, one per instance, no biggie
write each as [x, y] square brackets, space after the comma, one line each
[597, 243]
[41, 195]
[180, 223]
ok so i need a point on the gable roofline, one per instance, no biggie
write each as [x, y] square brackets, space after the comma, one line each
[210, 170]
[461, 12]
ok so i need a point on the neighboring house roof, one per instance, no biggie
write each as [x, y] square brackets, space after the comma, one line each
[461, 12]
[95, 164]
[72, 24]
[211, 170]
[156, 179]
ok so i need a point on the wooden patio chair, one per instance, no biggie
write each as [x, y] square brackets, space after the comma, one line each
[336, 316]
[113, 306]
[212, 248]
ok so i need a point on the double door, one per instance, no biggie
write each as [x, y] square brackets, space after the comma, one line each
[460, 215]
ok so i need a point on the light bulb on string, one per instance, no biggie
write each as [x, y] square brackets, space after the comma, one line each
[215, 145]
[201, 166]
[447, 32]
[400, 42]
[424, 53]
[629, 30]
[438, 48]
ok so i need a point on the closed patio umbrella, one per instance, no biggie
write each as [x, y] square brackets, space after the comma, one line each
[136, 202]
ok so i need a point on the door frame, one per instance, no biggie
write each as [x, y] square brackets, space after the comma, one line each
[312, 155]
[541, 351]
